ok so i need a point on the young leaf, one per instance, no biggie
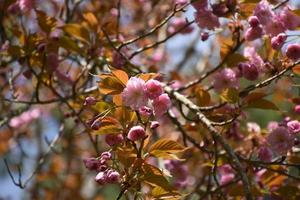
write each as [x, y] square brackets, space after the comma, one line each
[77, 31]
[154, 176]
[167, 145]
[121, 76]
[262, 104]
[46, 23]
[230, 95]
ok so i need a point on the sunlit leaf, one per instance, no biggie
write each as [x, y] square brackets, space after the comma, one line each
[46, 23]
[230, 95]
[78, 31]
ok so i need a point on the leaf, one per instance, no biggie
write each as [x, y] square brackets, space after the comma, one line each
[166, 145]
[234, 59]
[296, 70]
[254, 96]
[121, 76]
[109, 125]
[246, 9]
[202, 96]
[159, 193]
[154, 176]
[46, 23]
[126, 156]
[230, 95]
[109, 84]
[91, 19]
[148, 76]
[68, 44]
[226, 45]
[262, 104]
[77, 31]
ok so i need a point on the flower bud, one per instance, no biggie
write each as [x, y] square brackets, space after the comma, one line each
[154, 124]
[89, 101]
[136, 133]
[113, 176]
[106, 155]
[113, 139]
[249, 71]
[145, 111]
[297, 109]
[293, 126]
[91, 163]
[293, 52]
[253, 21]
[204, 36]
[101, 178]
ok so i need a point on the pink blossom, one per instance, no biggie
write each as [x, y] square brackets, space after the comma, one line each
[253, 57]
[297, 109]
[263, 11]
[278, 41]
[219, 9]
[134, 93]
[280, 140]
[293, 52]
[289, 19]
[145, 111]
[136, 133]
[114, 139]
[25, 118]
[293, 126]
[206, 19]
[26, 5]
[272, 125]
[249, 71]
[253, 21]
[253, 127]
[226, 78]
[265, 154]
[179, 171]
[253, 33]
[274, 27]
[153, 89]
[226, 174]
[161, 105]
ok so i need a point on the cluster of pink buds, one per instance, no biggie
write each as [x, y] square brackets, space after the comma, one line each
[105, 173]
[139, 93]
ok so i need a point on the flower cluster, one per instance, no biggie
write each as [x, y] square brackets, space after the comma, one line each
[273, 23]
[25, 118]
[280, 140]
[105, 173]
[139, 93]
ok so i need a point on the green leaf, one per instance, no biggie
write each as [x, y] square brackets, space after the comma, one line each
[68, 44]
